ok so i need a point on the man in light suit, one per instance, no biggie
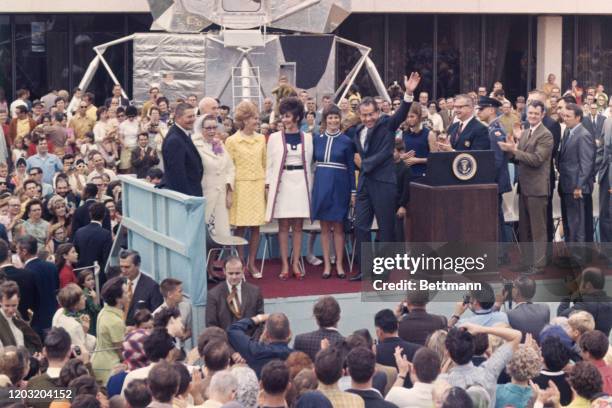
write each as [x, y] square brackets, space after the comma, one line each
[143, 291]
[327, 314]
[183, 167]
[594, 122]
[604, 166]
[466, 133]
[532, 153]
[223, 307]
[576, 169]
[377, 190]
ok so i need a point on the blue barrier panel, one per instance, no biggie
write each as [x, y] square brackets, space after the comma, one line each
[167, 228]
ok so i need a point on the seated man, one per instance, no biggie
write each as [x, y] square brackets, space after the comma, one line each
[460, 346]
[273, 344]
[327, 314]
[328, 368]
[481, 303]
[233, 300]
[591, 297]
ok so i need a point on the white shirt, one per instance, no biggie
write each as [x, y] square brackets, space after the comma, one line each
[134, 283]
[74, 328]
[137, 374]
[465, 123]
[14, 105]
[95, 173]
[17, 334]
[419, 396]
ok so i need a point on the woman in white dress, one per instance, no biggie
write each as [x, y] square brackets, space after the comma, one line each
[72, 317]
[218, 179]
[289, 182]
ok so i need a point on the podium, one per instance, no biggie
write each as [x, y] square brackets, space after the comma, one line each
[457, 199]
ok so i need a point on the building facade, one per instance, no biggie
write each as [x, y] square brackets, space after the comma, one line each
[455, 47]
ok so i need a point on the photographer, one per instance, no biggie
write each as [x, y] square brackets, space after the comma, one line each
[415, 323]
[526, 316]
[481, 303]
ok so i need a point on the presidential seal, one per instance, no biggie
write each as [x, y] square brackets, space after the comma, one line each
[464, 166]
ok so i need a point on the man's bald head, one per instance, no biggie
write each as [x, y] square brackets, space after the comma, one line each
[277, 327]
[208, 106]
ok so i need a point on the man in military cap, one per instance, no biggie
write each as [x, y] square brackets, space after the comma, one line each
[487, 113]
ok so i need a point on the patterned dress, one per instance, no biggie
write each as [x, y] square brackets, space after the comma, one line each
[249, 199]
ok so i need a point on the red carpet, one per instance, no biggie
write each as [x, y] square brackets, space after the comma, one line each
[312, 284]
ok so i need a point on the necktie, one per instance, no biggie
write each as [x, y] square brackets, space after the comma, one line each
[130, 291]
[564, 141]
[234, 302]
[529, 134]
[458, 133]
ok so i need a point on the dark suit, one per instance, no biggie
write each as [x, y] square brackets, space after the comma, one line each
[555, 129]
[27, 288]
[256, 353]
[417, 325]
[146, 295]
[529, 318]
[385, 351]
[142, 165]
[81, 217]
[576, 170]
[377, 189]
[93, 243]
[594, 126]
[310, 343]
[372, 398]
[604, 168]
[46, 279]
[598, 304]
[218, 312]
[183, 169]
[474, 136]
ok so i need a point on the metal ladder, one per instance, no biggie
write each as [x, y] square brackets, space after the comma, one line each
[246, 86]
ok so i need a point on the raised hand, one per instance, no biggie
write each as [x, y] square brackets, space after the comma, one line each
[411, 83]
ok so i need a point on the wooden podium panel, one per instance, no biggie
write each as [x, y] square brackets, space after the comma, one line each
[466, 213]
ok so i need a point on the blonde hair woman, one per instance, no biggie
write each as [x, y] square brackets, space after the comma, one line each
[247, 149]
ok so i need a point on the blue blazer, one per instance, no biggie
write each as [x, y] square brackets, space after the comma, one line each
[46, 279]
[377, 155]
[93, 243]
[183, 169]
[475, 136]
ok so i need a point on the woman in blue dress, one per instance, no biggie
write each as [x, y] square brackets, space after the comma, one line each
[334, 185]
[419, 141]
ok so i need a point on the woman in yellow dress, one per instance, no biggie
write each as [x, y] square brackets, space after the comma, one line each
[248, 151]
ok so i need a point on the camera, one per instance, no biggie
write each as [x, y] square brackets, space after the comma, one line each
[76, 350]
[466, 299]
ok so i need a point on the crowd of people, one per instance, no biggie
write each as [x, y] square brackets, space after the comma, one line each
[485, 354]
[116, 337]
